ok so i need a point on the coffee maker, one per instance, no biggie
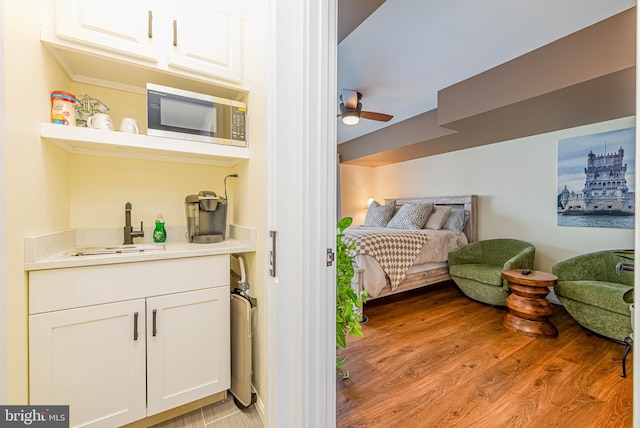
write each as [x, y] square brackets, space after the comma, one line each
[206, 217]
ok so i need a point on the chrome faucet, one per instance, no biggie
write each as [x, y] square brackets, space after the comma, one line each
[129, 233]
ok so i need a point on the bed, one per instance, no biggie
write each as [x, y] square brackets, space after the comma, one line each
[428, 267]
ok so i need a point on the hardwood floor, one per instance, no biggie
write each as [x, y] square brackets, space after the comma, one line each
[435, 358]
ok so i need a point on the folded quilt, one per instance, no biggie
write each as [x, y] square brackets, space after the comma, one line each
[395, 250]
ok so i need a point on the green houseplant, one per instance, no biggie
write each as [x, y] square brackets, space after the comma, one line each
[348, 301]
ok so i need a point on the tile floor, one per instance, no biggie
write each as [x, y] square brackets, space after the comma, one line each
[223, 414]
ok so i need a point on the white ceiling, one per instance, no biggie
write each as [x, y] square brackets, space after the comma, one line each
[407, 50]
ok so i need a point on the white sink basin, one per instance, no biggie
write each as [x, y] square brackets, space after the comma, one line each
[115, 249]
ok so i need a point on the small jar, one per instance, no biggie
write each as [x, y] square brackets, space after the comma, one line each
[63, 108]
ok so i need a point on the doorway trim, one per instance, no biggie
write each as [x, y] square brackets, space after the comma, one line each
[301, 179]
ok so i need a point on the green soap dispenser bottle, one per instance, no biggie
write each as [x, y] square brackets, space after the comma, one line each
[160, 234]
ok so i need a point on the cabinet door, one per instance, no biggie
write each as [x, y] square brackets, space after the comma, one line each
[188, 347]
[121, 26]
[89, 358]
[207, 39]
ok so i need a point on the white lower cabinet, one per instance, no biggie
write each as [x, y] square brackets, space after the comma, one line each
[115, 363]
[184, 359]
[89, 358]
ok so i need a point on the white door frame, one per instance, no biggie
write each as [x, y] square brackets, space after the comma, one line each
[301, 165]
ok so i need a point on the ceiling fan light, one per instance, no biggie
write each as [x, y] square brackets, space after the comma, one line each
[350, 118]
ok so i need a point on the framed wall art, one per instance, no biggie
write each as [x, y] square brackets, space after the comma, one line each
[596, 180]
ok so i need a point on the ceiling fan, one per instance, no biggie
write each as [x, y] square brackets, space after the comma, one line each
[351, 109]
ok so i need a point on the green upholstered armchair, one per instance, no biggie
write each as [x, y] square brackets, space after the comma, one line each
[594, 294]
[477, 268]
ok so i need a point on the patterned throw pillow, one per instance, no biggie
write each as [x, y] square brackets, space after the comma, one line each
[411, 216]
[437, 218]
[379, 215]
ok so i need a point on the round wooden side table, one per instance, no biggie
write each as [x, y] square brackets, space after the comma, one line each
[529, 310]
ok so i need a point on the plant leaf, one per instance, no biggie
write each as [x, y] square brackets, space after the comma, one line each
[348, 301]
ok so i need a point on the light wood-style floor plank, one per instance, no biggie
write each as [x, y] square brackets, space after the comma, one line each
[435, 358]
[223, 414]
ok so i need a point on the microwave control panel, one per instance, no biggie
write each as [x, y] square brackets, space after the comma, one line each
[238, 125]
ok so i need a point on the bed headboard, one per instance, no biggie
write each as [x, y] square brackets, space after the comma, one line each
[468, 202]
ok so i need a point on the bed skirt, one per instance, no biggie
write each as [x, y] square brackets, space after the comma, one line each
[416, 279]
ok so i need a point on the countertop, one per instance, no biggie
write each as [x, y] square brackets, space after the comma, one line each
[50, 251]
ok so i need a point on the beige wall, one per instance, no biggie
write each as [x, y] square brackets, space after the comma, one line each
[516, 184]
[100, 187]
[37, 174]
[356, 185]
[50, 190]
[3, 232]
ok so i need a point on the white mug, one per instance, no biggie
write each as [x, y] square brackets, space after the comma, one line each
[100, 121]
[129, 125]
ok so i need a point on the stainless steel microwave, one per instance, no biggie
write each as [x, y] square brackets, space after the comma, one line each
[185, 115]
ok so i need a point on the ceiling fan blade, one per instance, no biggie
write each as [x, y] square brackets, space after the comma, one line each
[376, 116]
[350, 98]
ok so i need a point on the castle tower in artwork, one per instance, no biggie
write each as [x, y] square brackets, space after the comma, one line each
[605, 189]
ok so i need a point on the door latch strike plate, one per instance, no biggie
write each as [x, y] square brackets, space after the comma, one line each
[272, 253]
[330, 257]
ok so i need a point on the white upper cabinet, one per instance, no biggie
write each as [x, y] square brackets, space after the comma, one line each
[207, 38]
[125, 44]
[120, 26]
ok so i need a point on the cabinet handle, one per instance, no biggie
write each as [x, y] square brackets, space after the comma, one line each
[135, 326]
[154, 323]
[175, 33]
[150, 25]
